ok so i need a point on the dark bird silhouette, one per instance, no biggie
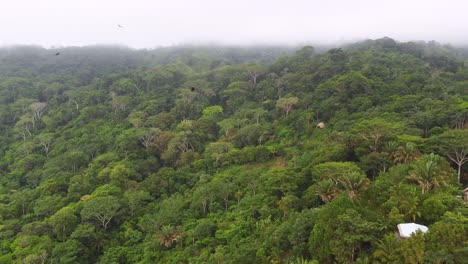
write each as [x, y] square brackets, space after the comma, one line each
[192, 89]
[58, 53]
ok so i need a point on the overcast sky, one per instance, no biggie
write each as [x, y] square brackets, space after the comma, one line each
[152, 23]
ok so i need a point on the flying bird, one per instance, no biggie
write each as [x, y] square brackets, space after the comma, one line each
[120, 26]
[58, 53]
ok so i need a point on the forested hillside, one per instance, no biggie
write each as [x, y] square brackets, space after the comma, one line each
[233, 155]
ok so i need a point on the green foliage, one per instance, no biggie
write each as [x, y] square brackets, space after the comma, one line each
[413, 249]
[430, 172]
[453, 144]
[287, 104]
[212, 154]
[351, 232]
[334, 170]
[67, 252]
[63, 222]
[387, 249]
[102, 209]
[448, 237]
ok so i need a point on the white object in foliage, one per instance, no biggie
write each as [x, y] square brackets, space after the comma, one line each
[407, 229]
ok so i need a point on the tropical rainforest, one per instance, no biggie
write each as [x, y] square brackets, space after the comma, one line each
[198, 154]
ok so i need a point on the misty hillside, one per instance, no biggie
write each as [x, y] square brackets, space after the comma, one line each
[198, 154]
[101, 59]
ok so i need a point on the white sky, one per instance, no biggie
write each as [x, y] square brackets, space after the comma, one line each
[151, 23]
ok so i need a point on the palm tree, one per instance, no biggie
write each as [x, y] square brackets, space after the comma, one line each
[410, 207]
[404, 199]
[391, 148]
[429, 172]
[406, 153]
[354, 183]
[301, 260]
[326, 189]
[286, 204]
[387, 250]
[168, 235]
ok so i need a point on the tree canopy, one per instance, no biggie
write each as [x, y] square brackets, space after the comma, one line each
[213, 155]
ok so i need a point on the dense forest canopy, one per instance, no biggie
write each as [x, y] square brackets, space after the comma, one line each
[233, 155]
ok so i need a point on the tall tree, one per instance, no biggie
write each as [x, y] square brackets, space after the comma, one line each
[374, 132]
[102, 209]
[38, 110]
[63, 222]
[286, 104]
[45, 141]
[453, 144]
